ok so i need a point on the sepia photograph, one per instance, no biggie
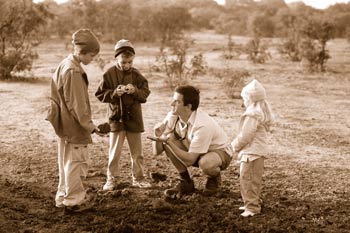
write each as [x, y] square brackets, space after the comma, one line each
[175, 116]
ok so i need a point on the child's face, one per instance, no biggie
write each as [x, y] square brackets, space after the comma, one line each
[246, 102]
[125, 62]
[87, 57]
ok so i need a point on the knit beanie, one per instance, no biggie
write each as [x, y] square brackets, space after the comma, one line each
[85, 41]
[253, 91]
[122, 46]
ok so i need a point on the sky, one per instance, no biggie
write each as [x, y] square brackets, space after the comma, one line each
[319, 4]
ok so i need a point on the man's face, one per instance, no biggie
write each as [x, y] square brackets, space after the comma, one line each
[125, 62]
[177, 105]
[87, 57]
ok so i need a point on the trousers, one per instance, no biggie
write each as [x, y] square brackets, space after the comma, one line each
[72, 168]
[251, 173]
[116, 141]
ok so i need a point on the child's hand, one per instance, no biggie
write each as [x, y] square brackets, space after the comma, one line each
[119, 91]
[97, 131]
[159, 129]
[130, 89]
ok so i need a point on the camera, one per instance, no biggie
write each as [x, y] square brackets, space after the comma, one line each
[123, 88]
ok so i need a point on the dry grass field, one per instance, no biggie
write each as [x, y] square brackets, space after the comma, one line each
[306, 179]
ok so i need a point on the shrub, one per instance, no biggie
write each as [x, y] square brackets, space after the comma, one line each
[314, 55]
[316, 32]
[20, 23]
[232, 50]
[257, 52]
[232, 80]
[198, 65]
[173, 61]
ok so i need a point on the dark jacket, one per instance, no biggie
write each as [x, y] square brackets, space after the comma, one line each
[70, 111]
[131, 113]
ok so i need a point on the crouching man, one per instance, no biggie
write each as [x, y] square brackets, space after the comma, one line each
[190, 137]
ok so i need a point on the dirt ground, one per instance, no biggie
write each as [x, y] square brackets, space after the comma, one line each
[306, 179]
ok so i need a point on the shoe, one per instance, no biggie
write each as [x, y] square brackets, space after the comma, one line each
[109, 185]
[247, 213]
[182, 188]
[59, 201]
[213, 184]
[141, 184]
[242, 208]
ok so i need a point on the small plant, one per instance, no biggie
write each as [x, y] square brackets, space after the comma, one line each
[174, 64]
[198, 65]
[314, 55]
[257, 52]
[316, 32]
[292, 49]
[232, 81]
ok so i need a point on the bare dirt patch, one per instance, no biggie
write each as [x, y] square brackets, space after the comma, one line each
[306, 180]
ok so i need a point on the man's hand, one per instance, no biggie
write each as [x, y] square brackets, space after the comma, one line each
[159, 129]
[130, 89]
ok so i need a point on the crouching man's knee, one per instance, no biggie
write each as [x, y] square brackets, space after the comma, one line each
[210, 164]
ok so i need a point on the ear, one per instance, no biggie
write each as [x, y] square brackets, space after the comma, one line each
[189, 106]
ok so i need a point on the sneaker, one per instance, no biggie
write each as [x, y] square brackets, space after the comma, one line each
[59, 201]
[141, 184]
[242, 208]
[213, 183]
[247, 213]
[182, 188]
[109, 185]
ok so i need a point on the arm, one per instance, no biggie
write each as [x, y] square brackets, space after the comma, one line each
[76, 98]
[246, 134]
[188, 158]
[157, 146]
[141, 90]
[105, 92]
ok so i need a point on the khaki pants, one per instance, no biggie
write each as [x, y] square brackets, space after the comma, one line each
[72, 167]
[116, 141]
[251, 173]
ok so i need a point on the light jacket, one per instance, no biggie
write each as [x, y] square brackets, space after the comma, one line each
[251, 139]
[131, 103]
[70, 111]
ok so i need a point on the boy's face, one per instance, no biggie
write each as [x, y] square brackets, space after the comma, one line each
[125, 62]
[87, 57]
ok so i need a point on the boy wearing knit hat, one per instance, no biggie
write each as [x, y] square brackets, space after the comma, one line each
[124, 88]
[252, 146]
[70, 116]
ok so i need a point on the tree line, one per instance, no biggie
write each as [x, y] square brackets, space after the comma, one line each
[159, 20]
[23, 24]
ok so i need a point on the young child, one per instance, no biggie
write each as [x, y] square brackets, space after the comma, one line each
[124, 88]
[70, 115]
[251, 145]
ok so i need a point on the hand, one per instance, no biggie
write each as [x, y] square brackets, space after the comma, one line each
[159, 129]
[130, 89]
[119, 91]
[98, 132]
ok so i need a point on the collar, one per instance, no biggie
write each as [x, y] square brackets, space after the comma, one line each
[75, 61]
[192, 118]
[120, 69]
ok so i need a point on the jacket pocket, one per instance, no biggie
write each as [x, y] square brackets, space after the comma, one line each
[54, 117]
